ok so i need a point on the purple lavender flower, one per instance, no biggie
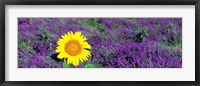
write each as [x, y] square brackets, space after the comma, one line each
[115, 42]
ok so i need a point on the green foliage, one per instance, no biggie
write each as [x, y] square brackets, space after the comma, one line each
[65, 65]
[108, 53]
[20, 61]
[90, 66]
[117, 26]
[24, 45]
[44, 34]
[142, 29]
[175, 42]
[57, 27]
[93, 24]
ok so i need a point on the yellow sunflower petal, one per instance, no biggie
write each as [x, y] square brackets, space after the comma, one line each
[81, 57]
[86, 52]
[86, 45]
[69, 61]
[85, 56]
[77, 35]
[82, 38]
[60, 49]
[61, 55]
[76, 62]
[72, 60]
[65, 38]
[60, 42]
[69, 35]
[72, 35]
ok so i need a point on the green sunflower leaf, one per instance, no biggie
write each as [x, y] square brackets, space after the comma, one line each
[65, 65]
[90, 66]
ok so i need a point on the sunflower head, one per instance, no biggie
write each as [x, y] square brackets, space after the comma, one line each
[73, 48]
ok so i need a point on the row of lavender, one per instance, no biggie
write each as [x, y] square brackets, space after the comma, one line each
[115, 42]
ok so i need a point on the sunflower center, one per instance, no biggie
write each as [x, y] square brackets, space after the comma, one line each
[73, 47]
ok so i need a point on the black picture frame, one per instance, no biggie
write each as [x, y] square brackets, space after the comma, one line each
[98, 2]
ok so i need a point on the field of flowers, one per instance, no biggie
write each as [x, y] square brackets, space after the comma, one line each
[110, 42]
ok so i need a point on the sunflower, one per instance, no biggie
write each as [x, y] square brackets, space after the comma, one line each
[73, 47]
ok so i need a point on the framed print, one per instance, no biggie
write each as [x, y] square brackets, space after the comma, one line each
[113, 42]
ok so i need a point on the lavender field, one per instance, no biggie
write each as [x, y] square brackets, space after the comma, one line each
[99, 42]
